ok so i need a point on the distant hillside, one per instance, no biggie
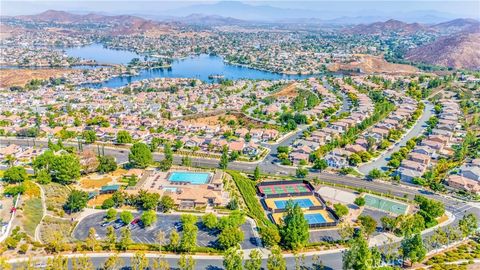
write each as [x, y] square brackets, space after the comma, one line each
[457, 51]
[379, 28]
[201, 19]
[120, 24]
[458, 25]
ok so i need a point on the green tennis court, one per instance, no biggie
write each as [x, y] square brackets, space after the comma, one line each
[386, 205]
[284, 188]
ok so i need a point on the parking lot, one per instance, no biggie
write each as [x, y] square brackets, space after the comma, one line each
[165, 223]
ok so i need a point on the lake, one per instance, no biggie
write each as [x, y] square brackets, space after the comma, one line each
[199, 66]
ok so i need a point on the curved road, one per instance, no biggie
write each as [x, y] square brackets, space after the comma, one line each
[382, 161]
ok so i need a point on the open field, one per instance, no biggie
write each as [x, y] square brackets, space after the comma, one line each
[374, 64]
[54, 227]
[288, 91]
[223, 119]
[12, 77]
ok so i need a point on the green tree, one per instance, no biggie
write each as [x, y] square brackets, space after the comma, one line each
[126, 238]
[374, 174]
[82, 263]
[186, 161]
[139, 261]
[256, 173]
[369, 225]
[412, 248]
[224, 158]
[174, 240]
[149, 217]
[91, 241]
[140, 155]
[113, 263]
[190, 230]
[76, 201]
[270, 235]
[340, 209]
[358, 256]
[43, 177]
[123, 137]
[346, 231]
[186, 262]
[468, 224]
[65, 168]
[254, 261]
[294, 231]
[210, 221]
[15, 174]
[147, 200]
[301, 172]
[320, 164]
[111, 214]
[111, 238]
[166, 203]
[232, 259]
[58, 262]
[354, 159]
[230, 237]
[126, 216]
[360, 201]
[106, 164]
[275, 260]
[89, 136]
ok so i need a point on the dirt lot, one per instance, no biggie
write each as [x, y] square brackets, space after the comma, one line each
[15, 77]
[98, 200]
[374, 64]
[94, 183]
[288, 91]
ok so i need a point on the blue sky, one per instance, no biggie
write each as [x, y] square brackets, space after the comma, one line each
[469, 8]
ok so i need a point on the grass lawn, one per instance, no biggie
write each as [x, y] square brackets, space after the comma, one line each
[32, 215]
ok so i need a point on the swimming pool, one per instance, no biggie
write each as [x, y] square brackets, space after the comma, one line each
[315, 218]
[194, 178]
[303, 203]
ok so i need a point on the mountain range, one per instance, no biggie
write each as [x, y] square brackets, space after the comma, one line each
[457, 47]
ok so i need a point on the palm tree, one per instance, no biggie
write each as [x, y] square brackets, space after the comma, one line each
[10, 160]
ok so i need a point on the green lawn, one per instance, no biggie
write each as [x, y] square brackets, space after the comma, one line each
[32, 215]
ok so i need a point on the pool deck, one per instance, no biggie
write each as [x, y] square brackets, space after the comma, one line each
[270, 202]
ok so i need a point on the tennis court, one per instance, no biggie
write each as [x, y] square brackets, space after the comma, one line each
[303, 203]
[284, 189]
[315, 218]
[312, 217]
[386, 205]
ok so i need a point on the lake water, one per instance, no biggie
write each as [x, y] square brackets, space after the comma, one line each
[199, 67]
[101, 54]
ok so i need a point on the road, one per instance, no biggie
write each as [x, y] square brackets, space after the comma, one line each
[382, 161]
